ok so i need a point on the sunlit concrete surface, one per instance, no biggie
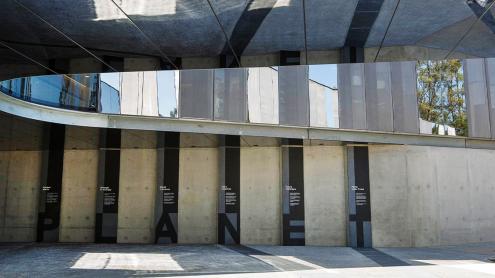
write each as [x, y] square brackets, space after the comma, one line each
[102, 260]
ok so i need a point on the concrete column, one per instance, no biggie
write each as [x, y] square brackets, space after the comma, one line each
[85, 65]
[200, 62]
[4, 173]
[137, 187]
[79, 185]
[141, 64]
[325, 195]
[21, 196]
[260, 195]
[454, 209]
[198, 195]
[481, 194]
[265, 60]
[426, 196]
[389, 196]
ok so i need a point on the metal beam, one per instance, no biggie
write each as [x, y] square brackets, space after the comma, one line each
[63, 116]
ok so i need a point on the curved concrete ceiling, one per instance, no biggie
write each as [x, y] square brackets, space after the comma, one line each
[46, 30]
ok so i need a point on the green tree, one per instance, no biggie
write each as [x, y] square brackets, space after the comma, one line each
[441, 94]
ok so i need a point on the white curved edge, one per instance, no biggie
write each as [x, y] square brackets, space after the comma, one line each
[44, 113]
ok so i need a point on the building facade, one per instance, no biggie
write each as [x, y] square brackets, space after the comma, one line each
[272, 129]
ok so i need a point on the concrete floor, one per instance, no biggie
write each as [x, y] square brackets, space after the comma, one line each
[101, 260]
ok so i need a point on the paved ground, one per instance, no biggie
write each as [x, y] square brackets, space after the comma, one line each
[102, 260]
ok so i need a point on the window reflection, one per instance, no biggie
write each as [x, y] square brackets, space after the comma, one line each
[168, 92]
[139, 93]
[293, 95]
[490, 74]
[378, 97]
[323, 96]
[230, 95]
[441, 97]
[196, 94]
[109, 93]
[352, 101]
[263, 95]
[78, 92]
[477, 98]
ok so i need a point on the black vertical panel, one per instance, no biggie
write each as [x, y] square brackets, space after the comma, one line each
[362, 21]
[229, 216]
[107, 205]
[167, 205]
[51, 187]
[290, 58]
[293, 231]
[359, 197]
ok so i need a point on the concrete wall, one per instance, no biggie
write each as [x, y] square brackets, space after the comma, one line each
[141, 64]
[424, 196]
[137, 187]
[325, 195]
[79, 185]
[200, 62]
[198, 195]
[19, 190]
[84, 65]
[260, 198]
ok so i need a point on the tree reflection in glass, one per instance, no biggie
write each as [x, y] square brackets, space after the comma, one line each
[441, 97]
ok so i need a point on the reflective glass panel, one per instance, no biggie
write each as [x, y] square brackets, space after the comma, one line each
[230, 95]
[490, 75]
[293, 95]
[352, 104]
[109, 93]
[378, 97]
[323, 96]
[168, 92]
[263, 95]
[441, 98]
[139, 93]
[196, 94]
[78, 92]
[404, 99]
[477, 98]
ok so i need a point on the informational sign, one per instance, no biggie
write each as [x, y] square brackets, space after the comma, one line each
[167, 205]
[229, 226]
[293, 192]
[359, 197]
[51, 187]
[107, 205]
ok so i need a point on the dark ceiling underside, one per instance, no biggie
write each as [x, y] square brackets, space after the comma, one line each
[36, 32]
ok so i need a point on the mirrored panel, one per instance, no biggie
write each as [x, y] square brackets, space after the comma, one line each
[323, 96]
[139, 93]
[293, 95]
[490, 75]
[77, 91]
[262, 89]
[477, 98]
[230, 95]
[441, 98]
[196, 94]
[404, 99]
[168, 93]
[109, 93]
[352, 104]
[378, 97]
